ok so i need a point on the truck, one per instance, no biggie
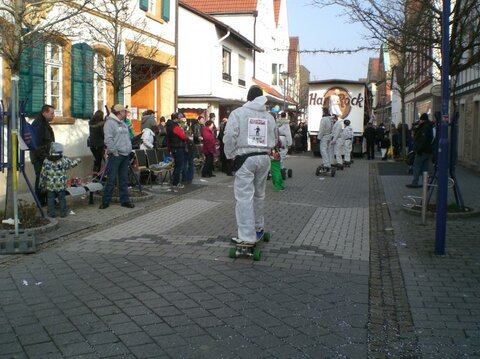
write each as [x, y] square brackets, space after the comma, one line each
[353, 105]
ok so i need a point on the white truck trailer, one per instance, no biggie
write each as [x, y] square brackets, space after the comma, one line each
[352, 97]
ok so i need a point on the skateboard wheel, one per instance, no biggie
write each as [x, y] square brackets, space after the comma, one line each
[266, 236]
[332, 172]
[232, 252]
[257, 255]
[317, 172]
[289, 173]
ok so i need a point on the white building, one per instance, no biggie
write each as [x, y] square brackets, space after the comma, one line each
[264, 23]
[215, 65]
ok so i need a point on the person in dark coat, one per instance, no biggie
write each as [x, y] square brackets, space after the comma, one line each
[44, 137]
[422, 147]
[370, 136]
[95, 140]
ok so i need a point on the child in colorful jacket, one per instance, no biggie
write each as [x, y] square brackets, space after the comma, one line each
[53, 178]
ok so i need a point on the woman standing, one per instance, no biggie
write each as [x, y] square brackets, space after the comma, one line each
[95, 140]
[208, 149]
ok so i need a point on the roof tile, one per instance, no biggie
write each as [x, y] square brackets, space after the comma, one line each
[219, 6]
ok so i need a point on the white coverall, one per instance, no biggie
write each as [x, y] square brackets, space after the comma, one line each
[250, 180]
[337, 142]
[285, 136]
[325, 136]
[334, 107]
[347, 135]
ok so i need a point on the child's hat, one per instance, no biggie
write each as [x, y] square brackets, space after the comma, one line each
[57, 147]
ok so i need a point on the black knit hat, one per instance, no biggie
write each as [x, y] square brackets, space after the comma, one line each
[254, 92]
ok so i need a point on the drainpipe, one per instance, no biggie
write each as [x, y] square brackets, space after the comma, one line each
[255, 15]
[223, 38]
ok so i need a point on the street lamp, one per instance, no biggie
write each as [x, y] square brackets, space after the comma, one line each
[284, 76]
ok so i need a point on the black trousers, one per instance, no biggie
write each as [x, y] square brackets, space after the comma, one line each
[208, 165]
[42, 196]
[370, 150]
[97, 158]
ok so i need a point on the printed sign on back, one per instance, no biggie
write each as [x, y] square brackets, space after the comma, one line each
[257, 132]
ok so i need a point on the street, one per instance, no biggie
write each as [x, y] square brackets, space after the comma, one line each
[347, 274]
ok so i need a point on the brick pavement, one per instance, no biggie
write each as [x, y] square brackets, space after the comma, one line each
[162, 285]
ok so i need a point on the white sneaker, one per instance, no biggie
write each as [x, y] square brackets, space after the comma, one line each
[180, 185]
[239, 241]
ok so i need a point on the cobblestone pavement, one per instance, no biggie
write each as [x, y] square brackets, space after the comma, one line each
[161, 284]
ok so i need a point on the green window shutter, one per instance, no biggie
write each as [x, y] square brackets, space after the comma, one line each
[82, 80]
[144, 5]
[25, 83]
[120, 73]
[32, 78]
[166, 10]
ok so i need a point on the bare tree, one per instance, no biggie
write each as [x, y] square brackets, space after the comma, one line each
[25, 25]
[123, 33]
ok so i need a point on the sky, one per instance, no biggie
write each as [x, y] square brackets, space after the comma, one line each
[326, 29]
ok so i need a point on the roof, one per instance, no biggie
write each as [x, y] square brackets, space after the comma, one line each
[276, 9]
[223, 6]
[269, 90]
[235, 34]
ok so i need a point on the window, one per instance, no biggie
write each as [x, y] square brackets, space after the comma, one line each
[152, 7]
[100, 86]
[227, 64]
[274, 74]
[241, 70]
[53, 77]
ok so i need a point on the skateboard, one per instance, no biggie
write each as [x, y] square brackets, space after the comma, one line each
[324, 170]
[248, 249]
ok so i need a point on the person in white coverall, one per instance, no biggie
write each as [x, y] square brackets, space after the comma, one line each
[250, 134]
[334, 104]
[285, 136]
[337, 142]
[325, 136]
[347, 135]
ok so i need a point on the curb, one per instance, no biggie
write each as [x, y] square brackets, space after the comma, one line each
[36, 230]
[470, 214]
[133, 199]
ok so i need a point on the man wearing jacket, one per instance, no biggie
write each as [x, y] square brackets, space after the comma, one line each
[250, 134]
[422, 147]
[44, 137]
[176, 142]
[119, 147]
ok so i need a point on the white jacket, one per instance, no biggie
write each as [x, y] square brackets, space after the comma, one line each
[284, 133]
[325, 127]
[148, 138]
[347, 133]
[240, 138]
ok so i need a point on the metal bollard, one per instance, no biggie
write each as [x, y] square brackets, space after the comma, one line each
[424, 197]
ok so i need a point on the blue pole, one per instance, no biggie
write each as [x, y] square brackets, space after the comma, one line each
[442, 192]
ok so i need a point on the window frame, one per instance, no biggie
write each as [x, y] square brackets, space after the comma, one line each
[49, 64]
[227, 76]
[242, 61]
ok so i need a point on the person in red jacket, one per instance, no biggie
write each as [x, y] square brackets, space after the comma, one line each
[208, 148]
[176, 140]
